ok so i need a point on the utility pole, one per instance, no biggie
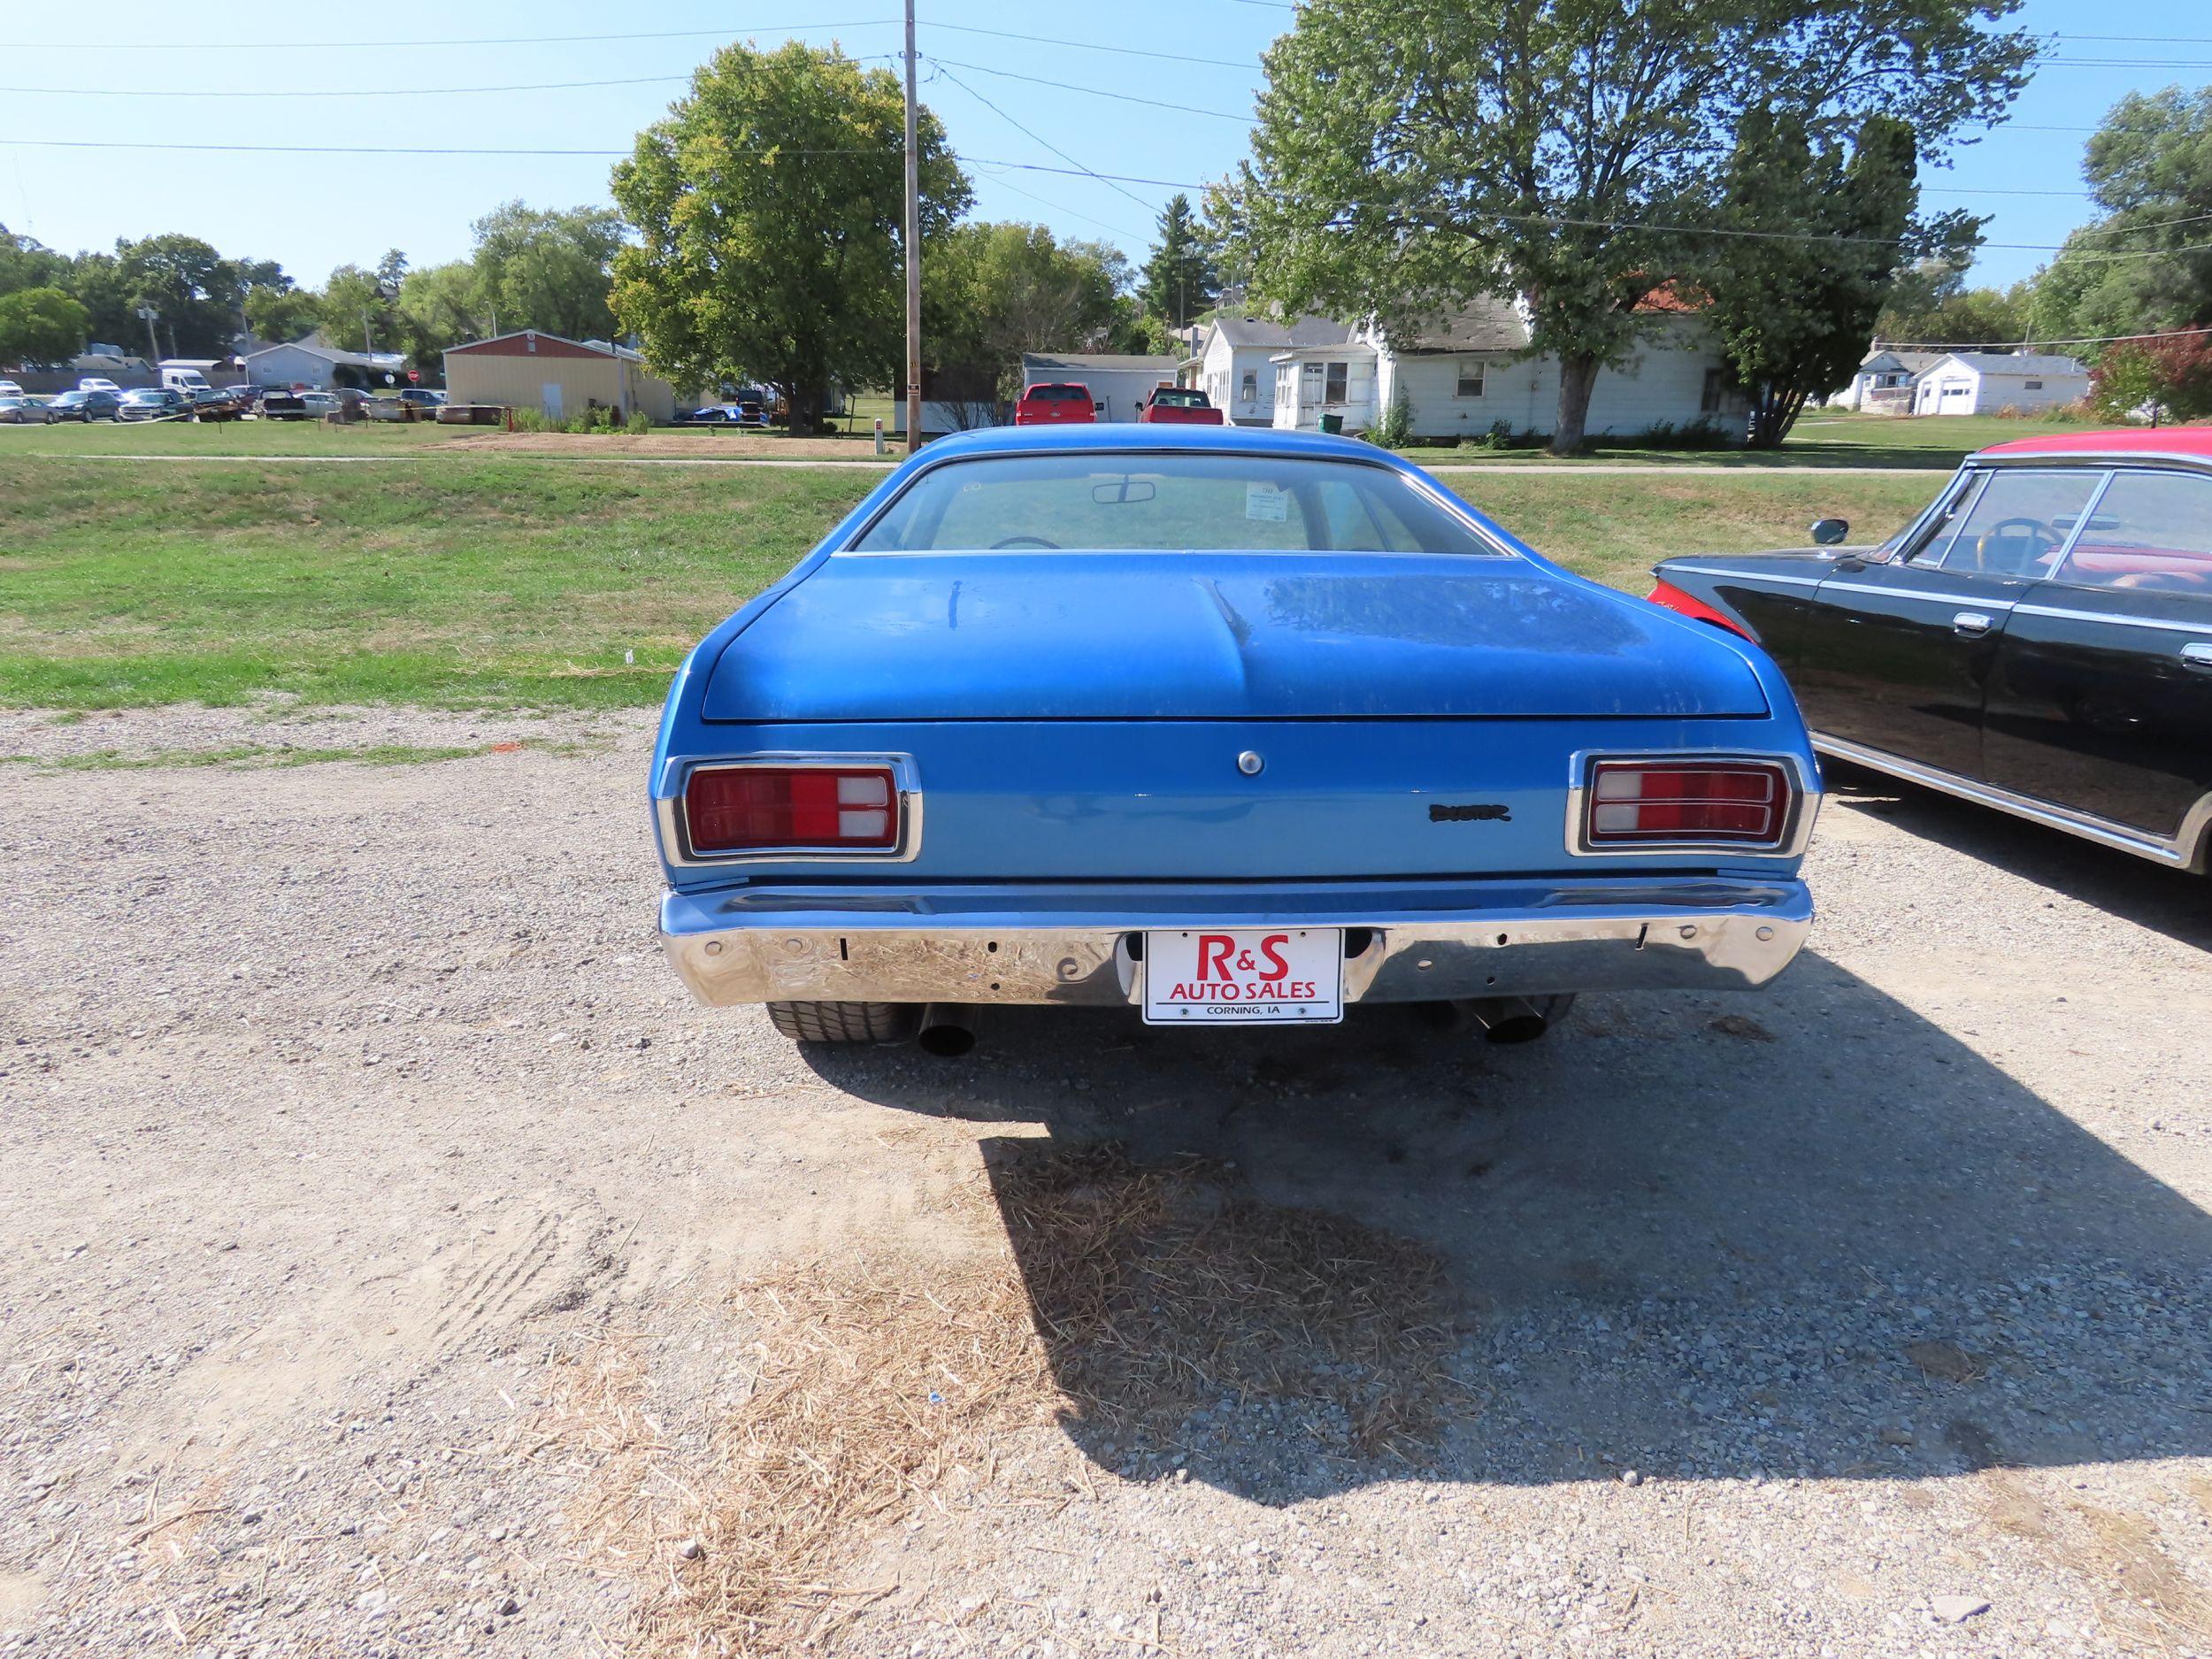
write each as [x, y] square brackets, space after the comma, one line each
[368, 345]
[913, 251]
[147, 314]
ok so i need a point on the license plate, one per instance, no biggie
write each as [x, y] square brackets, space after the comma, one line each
[1244, 976]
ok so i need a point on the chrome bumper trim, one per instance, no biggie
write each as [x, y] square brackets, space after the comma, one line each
[1078, 945]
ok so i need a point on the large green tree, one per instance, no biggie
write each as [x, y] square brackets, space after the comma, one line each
[768, 206]
[993, 291]
[1793, 316]
[548, 269]
[1412, 154]
[356, 310]
[440, 305]
[27, 263]
[1180, 280]
[196, 290]
[2134, 271]
[1930, 305]
[40, 326]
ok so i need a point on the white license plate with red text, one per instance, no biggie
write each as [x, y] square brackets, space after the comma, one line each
[1244, 976]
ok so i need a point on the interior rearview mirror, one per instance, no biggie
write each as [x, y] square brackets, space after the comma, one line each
[1828, 532]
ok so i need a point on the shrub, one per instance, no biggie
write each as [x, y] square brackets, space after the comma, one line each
[2167, 379]
[529, 419]
[1393, 427]
[1702, 433]
[1500, 436]
[637, 426]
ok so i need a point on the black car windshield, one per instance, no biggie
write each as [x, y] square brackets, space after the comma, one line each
[1165, 502]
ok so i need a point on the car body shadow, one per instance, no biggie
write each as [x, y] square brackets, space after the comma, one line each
[2174, 903]
[1806, 1235]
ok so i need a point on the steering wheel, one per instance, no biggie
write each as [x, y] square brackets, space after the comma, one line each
[1025, 541]
[2046, 541]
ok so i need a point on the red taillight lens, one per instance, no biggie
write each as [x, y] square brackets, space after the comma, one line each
[1690, 605]
[838, 809]
[1631, 802]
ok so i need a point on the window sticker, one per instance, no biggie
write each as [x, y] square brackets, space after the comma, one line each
[1266, 503]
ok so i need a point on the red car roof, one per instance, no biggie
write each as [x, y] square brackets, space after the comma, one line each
[2134, 440]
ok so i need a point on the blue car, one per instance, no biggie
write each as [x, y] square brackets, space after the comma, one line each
[1222, 726]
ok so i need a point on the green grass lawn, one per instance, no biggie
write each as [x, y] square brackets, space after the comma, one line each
[519, 582]
[1821, 437]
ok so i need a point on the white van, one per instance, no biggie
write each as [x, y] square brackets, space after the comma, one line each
[184, 380]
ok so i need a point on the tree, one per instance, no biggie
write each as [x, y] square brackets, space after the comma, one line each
[278, 314]
[194, 288]
[1412, 154]
[2172, 378]
[439, 306]
[1179, 281]
[1793, 315]
[354, 308]
[2149, 164]
[549, 269]
[26, 263]
[993, 291]
[768, 207]
[40, 326]
[1930, 305]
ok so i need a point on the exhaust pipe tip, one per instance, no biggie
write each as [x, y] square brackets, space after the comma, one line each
[948, 1030]
[1508, 1018]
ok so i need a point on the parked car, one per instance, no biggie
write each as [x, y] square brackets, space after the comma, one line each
[1055, 404]
[1228, 725]
[1179, 406]
[2038, 640]
[423, 396]
[9, 389]
[24, 411]
[212, 403]
[83, 406]
[316, 404]
[278, 405]
[95, 383]
[152, 402]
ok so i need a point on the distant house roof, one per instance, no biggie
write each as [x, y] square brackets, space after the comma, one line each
[1242, 328]
[1882, 360]
[1489, 324]
[535, 342]
[2018, 362]
[1046, 364]
[330, 354]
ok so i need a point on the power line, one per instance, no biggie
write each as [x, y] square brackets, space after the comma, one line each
[1036, 137]
[363, 92]
[1070, 86]
[1007, 184]
[1095, 46]
[481, 40]
[2079, 339]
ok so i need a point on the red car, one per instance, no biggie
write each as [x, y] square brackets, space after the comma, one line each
[1060, 404]
[1180, 406]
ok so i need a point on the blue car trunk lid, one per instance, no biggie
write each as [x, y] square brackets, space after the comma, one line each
[1214, 636]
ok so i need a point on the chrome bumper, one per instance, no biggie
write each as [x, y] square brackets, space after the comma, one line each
[1404, 942]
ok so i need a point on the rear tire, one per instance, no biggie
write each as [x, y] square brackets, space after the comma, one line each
[845, 1022]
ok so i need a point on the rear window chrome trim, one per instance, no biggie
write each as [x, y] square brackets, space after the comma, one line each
[1419, 482]
[668, 810]
[1797, 833]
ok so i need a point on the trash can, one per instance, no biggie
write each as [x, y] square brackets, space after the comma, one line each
[1333, 424]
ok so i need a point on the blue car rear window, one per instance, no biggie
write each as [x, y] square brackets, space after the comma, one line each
[1165, 503]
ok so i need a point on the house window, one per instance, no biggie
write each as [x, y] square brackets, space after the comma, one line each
[1470, 379]
[1334, 388]
[2034, 386]
[1251, 392]
[1720, 385]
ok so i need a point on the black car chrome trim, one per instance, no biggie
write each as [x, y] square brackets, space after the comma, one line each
[1764, 576]
[676, 841]
[1920, 593]
[2066, 614]
[1805, 792]
[2184, 851]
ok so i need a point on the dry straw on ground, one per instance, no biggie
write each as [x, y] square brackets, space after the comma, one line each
[882, 1389]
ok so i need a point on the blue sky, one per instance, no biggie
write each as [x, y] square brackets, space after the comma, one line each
[316, 211]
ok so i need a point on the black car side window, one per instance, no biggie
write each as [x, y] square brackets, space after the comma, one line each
[2150, 530]
[2021, 522]
[1927, 545]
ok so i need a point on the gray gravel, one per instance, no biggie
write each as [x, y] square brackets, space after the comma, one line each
[347, 1106]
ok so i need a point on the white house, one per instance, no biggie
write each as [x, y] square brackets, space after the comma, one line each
[1117, 382]
[1988, 382]
[1886, 380]
[303, 363]
[1236, 370]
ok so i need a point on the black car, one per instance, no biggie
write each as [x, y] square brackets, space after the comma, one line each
[82, 405]
[2038, 640]
[152, 402]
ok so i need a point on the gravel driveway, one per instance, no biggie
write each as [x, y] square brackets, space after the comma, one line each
[392, 1261]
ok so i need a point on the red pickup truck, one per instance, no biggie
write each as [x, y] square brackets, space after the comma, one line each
[1055, 404]
[1179, 406]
